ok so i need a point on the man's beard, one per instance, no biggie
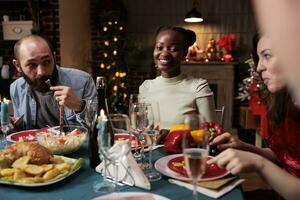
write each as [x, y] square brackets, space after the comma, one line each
[39, 84]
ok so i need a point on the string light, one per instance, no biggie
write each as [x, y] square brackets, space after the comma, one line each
[117, 74]
[115, 52]
[115, 88]
[104, 28]
[105, 55]
[102, 66]
[115, 39]
[121, 28]
[116, 22]
[106, 43]
[108, 67]
[109, 23]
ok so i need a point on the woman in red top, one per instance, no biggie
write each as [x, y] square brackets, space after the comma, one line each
[279, 165]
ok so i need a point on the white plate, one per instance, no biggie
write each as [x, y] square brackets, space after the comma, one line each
[120, 195]
[14, 137]
[69, 160]
[161, 165]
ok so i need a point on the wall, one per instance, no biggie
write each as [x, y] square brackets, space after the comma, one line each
[220, 17]
[75, 33]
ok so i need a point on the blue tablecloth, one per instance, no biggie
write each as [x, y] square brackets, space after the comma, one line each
[79, 186]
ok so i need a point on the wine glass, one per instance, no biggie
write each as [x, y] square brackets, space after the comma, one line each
[103, 186]
[134, 115]
[115, 140]
[151, 123]
[195, 146]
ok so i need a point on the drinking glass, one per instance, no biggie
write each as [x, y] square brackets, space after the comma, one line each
[103, 186]
[134, 115]
[195, 146]
[115, 141]
[151, 123]
[3, 134]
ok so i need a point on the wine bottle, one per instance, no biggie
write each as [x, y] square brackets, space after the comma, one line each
[102, 105]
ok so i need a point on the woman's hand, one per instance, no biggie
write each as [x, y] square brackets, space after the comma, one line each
[237, 161]
[67, 97]
[226, 140]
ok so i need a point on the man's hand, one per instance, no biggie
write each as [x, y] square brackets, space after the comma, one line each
[65, 96]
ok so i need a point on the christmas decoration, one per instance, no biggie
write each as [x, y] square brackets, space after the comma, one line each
[255, 91]
[226, 43]
[111, 49]
[214, 51]
[253, 85]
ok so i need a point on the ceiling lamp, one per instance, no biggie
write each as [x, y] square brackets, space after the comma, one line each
[193, 16]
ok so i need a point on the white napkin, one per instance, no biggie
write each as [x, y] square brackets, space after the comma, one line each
[128, 171]
[208, 192]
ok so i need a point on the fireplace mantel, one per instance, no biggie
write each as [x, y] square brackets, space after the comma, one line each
[220, 76]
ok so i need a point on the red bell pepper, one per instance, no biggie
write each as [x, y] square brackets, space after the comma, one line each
[173, 143]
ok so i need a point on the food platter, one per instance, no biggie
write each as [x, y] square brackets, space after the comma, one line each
[26, 136]
[165, 165]
[75, 163]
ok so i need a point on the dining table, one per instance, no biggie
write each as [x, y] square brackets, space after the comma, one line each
[79, 186]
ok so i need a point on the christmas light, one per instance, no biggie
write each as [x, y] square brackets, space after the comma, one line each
[115, 39]
[108, 67]
[102, 66]
[121, 28]
[105, 55]
[106, 43]
[104, 28]
[122, 85]
[115, 88]
[115, 52]
[109, 23]
[116, 22]
[124, 95]
[117, 74]
[113, 63]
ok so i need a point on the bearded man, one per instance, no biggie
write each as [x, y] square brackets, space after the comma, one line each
[45, 86]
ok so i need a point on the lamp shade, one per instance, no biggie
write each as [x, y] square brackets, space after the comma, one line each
[193, 16]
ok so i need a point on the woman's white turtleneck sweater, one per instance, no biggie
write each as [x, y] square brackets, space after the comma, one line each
[178, 96]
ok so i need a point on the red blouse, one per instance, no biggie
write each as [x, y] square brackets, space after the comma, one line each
[284, 140]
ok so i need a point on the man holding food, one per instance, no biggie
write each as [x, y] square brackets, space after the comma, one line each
[46, 94]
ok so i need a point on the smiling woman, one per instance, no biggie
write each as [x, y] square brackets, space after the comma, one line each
[177, 94]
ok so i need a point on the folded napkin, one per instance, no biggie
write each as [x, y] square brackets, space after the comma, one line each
[209, 192]
[215, 184]
[128, 173]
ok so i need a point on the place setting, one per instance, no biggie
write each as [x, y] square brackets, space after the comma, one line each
[119, 167]
[39, 157]
[189, 169]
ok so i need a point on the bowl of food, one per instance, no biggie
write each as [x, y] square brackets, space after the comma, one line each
[62, 140]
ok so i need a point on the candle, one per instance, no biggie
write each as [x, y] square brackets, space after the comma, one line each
[102, 121]
[4, 112]
[102, 126]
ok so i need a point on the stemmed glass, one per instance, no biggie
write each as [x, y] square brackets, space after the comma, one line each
[115, 141]
[195, 146]
[103, 186]
[151, 123]
[134, 114]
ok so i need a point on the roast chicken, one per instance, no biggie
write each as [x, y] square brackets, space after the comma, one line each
[38, 154]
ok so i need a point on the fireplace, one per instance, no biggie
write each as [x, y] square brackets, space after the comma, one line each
[220, 77]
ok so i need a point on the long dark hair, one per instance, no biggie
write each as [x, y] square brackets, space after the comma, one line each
[279, 104]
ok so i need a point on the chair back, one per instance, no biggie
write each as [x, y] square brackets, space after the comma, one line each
[220, 115]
